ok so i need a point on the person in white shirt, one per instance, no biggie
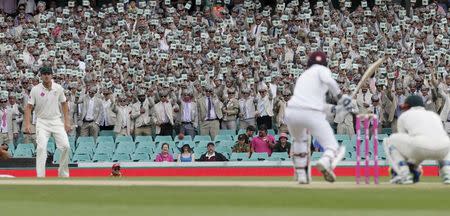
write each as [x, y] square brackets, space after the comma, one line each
[307, 110]
[247, 109]
[46, 99]
[421, 136]
[91, 114]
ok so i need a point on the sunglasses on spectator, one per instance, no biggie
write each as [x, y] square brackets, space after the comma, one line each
[3, 101]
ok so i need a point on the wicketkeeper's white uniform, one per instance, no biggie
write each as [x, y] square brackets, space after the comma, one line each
[421, 136]
[48, 122]
[306, 111]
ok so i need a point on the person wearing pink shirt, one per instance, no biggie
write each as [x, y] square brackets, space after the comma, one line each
[164, 156]
[263, 142]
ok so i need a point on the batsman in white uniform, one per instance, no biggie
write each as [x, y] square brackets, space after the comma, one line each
[421, 136]
[46, 99]
[307, 110]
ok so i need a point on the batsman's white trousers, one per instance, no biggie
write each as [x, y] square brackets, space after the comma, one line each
[300, 120]
[416, 149]
[44, 129]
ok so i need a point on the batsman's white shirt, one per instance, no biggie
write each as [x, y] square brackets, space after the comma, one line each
[311, 88]
[46, 102]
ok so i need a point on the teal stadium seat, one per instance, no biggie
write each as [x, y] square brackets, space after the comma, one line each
[202, 144]
[121, 157]
[99, 157]
[159, 139]
[140, 157]
[279, 156]
[143, 139]
[81, 158]
[260, 156]
[239, 157]
[105, 139]
[106, 133]
[227, 132]
[185, 139]
[220, 138]
[120, 139]
[200, 138]
[85, 140]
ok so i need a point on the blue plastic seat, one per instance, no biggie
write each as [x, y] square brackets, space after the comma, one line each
[227, 132]
[185, 139]
[125, 148]
[85, 140]
[120, 139]
[140, 157]
[220, 138]
[200, 150]
[23, 146]
[81, 158]
[200, 138]
[279, 156]
[121, 157]
[23, 153]
[105, 139]
[239, 157]
[259, 156]
[271, 132]
[160, 139]
[144, 139]
[99, 157]
[51, 147]
[106, 133]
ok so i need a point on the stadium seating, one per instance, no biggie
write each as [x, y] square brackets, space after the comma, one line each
[81, 158]
[220, 138]
[199, 138]
[239, 157]
[259, 156]
[159, 139]
[185, 139]
[123, 148]
[227, 132]
[85, 140]
[121, 157]
[120, 139]
[105, 139]
[107, 133]
[143, 139]
[140, 157]
[279, 156]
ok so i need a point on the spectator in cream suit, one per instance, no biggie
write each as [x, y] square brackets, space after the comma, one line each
[91, 114]
[209, 113]
[123, 124]
[164, 115]
[188, 115]
[230, 110]
[141, 115]
[7, 122]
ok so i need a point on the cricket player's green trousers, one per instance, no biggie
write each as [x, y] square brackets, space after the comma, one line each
[44, 129]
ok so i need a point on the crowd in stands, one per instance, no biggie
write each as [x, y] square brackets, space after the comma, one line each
[162, 68]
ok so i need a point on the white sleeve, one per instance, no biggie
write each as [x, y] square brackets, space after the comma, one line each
[32, 99]
[325, 77]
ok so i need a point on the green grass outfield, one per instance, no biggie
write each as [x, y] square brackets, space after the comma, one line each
[19, 198]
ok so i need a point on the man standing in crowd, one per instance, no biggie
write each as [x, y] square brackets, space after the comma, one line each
[209, 113]
[91, 114]
[141, 115]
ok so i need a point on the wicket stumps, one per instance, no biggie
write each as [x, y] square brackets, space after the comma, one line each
[367, 120]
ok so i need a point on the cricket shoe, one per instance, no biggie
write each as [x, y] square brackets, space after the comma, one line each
[407, 179]
[339, 156]
[446, 179]
[324, 164]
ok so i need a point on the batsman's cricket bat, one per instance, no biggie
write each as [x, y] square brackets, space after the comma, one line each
[369, 72]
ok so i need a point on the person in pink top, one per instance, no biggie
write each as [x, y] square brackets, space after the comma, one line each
[164, 156]
[263, 142]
